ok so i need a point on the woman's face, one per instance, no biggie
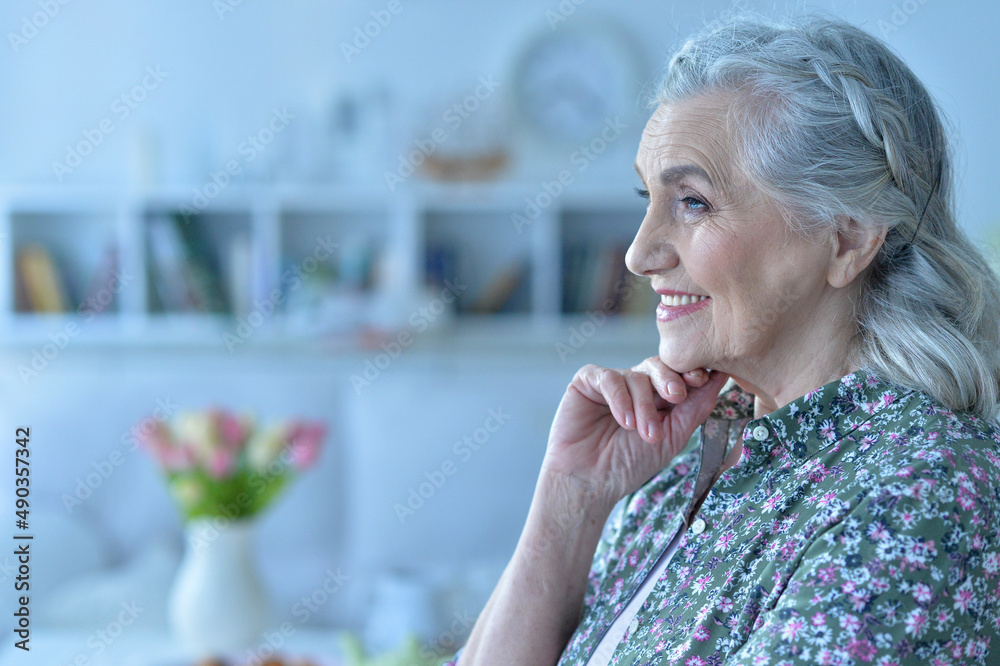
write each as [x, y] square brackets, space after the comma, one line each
[709, 234]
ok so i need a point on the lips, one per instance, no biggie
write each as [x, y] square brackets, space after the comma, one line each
[674, 305]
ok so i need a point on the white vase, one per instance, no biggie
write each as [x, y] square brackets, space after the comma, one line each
[218, 604]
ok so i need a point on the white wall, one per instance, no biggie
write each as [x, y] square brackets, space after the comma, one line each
[224, 78]
[226, 75]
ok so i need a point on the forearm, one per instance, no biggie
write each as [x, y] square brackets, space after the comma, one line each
[537, 602]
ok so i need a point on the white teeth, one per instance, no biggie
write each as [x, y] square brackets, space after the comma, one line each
[674, 301]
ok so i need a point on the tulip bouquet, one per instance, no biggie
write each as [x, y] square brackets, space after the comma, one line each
[221, 464]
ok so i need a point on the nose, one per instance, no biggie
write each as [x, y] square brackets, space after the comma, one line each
[651, 252]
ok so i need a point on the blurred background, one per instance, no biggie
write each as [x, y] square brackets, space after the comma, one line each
[405, 221]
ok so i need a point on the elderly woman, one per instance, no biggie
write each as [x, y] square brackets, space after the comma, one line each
[838, 501]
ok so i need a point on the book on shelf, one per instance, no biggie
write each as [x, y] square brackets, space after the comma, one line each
[167, 281]
[183, 275]
[356, 261]
[239, 274]
[507, 290]
[204, 274]
[608, 268]
[572, 260]
[440, 263]
[595, 277]
[101, 294]
[41, 285]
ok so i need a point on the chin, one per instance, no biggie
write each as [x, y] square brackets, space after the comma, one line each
[678, 360]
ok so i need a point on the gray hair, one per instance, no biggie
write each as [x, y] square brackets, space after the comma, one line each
[831, 124]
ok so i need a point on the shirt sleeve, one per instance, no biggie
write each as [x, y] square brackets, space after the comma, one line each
[909, 577]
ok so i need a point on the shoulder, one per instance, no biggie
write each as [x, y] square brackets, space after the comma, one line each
[917, 447]
[912, 569]
[930, 489]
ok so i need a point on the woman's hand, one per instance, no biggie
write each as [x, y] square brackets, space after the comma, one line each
[615, 429]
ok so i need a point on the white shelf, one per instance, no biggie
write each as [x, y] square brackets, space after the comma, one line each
[285, 226]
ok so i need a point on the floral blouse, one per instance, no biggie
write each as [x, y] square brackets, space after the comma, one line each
[860, 526]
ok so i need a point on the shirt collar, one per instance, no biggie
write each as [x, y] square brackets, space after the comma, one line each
[809, 423]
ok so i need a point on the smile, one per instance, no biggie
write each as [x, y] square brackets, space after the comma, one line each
[672, 307]
[674, 300]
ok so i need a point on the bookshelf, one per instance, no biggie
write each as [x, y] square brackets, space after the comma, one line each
[327, 265]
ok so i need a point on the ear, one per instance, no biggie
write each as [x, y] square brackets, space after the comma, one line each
[854, 247]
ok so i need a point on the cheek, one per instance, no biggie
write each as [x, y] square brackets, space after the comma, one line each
[735, 274]
[726, 268]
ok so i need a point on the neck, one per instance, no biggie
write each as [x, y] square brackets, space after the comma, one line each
[771, 396]
[775, 382]
[771, 399]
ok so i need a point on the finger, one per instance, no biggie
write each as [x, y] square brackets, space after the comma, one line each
[641, 389]
[696, 409]
[696, 377]
[670, 385]
[608, 386]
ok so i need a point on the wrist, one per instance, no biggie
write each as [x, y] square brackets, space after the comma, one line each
[566, 517]
[576, 495]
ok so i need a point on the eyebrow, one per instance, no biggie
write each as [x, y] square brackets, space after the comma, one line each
[675, 173]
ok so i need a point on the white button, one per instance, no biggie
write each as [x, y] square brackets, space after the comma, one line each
[698, 526]
[633, 625]
[760, 433]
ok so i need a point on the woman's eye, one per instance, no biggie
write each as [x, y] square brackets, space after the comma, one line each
[693, 203]
[642, 193]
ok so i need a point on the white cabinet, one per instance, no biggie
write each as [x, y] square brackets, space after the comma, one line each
[273, 265]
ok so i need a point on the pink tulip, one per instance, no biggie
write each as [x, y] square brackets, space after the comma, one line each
[230, 429]
[161, 445]
[155, 440]
[177, 458]
[222, 464]
[304, 440]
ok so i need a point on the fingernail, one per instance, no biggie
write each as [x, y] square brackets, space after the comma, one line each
[629, 419]
[649, 431]
[675, 388]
